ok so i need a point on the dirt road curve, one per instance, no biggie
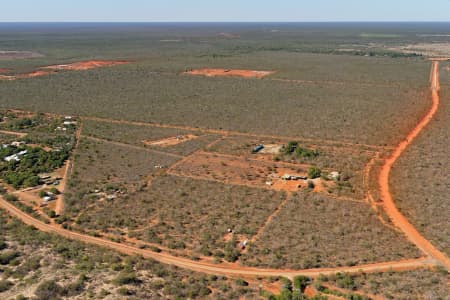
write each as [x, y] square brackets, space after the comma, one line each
[209, 268]
[18, 134]
[388, 203]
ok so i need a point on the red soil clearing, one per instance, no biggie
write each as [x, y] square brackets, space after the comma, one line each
[243, 171]
[3, 70]
[171, 141]
[389, 205]
[228, 72]
[86, 65]
[78, 66]
[34, 74]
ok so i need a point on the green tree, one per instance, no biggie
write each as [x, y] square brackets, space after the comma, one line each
[314, 172]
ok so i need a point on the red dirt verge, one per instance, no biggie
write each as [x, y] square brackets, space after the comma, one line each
[230, 73]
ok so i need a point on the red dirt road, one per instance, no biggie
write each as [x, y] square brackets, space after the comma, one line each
[388, 202]
[205, 267]
[18, 134]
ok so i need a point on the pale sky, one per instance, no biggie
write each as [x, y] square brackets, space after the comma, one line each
[223, 11]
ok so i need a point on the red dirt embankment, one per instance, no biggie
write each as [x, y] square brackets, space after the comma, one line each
[230, 73]
[86, 65]
[388, 202]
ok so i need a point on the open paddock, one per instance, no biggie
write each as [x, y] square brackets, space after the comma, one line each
[349, 161]
[241, 171]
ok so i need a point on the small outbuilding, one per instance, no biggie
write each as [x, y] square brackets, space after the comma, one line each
[257, 149]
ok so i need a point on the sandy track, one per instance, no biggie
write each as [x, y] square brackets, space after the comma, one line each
[59, 206]
[270, 218]
[130, 146]
[18, 134]
[388, 202]
[229, 73]
[235, 133]
[330, 82]
[209, 268]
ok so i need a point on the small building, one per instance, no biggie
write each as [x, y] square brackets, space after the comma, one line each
[17, 143]
[111, 197]
[16, 156]
[47, 198]
[12, 157]
[293, 177]
[334, 175]
[257, 149]
[243, 244]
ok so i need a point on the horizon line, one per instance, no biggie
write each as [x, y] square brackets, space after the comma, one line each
[221, 22]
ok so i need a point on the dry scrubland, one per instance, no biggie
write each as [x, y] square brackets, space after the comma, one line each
[103, 162]
[410, 285]
[172, 211]
[420, 181]
[138, 91]
[361, 98]
[44, 266]
[128, 133]
[137, 134]
[6, 138]
[314, 231]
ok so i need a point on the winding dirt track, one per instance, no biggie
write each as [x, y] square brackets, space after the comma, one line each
[388, 203]
[210, 268]
[235, 270]
[18, 134]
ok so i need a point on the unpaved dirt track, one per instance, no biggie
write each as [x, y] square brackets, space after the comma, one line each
[388, 202]
[92, 138]
[234, 133]
[209, 268]
[18, 134]
[59, 206]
